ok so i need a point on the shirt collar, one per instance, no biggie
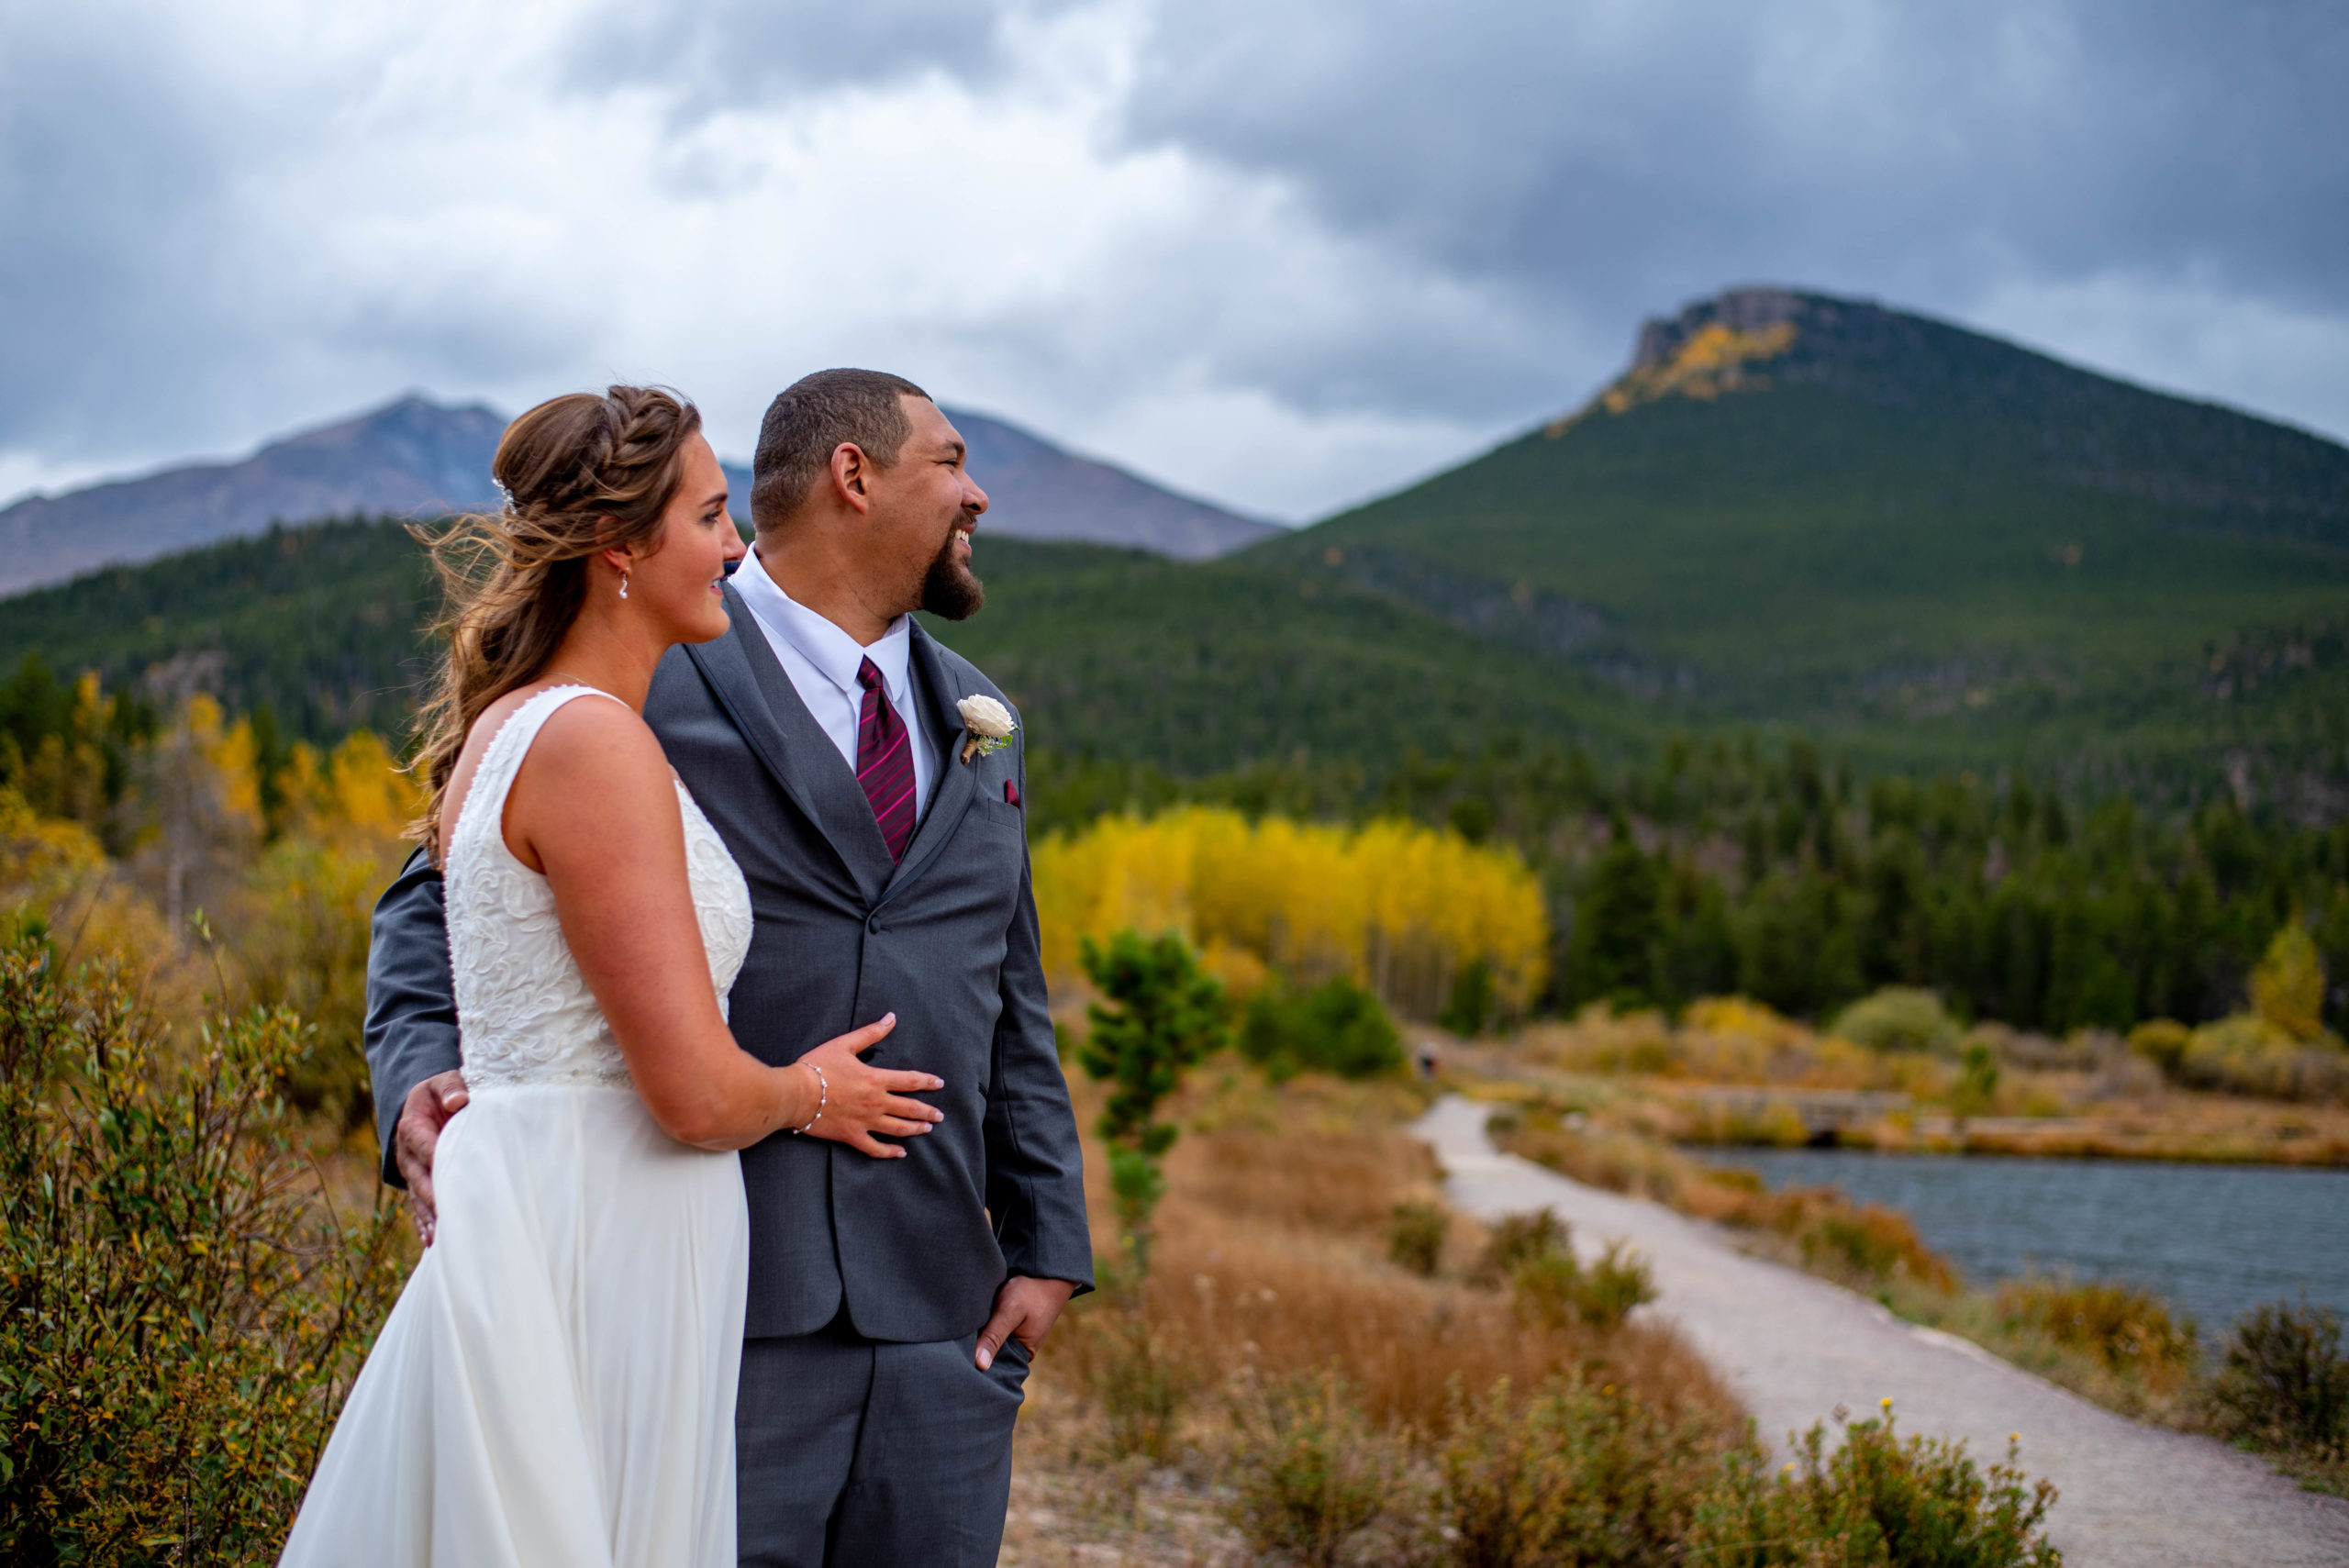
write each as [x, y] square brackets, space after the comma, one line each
[834, 653]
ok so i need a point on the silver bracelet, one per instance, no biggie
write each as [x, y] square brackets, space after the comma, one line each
[823, 1095]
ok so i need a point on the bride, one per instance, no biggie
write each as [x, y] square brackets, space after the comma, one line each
[556, 1384]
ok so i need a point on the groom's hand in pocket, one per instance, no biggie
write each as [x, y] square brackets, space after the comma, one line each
[426, 1111]
[1025, 1309]
[860, 1101]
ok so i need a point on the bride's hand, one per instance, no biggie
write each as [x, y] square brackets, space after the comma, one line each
[860, 1101]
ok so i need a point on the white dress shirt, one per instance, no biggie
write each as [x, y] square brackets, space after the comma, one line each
[822, 662]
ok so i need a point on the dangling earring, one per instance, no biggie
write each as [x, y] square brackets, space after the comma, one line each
[623, 584]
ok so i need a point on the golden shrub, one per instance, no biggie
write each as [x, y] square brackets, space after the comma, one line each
[2288, 988]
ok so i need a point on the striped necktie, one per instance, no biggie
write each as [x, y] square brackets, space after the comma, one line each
[884, 762]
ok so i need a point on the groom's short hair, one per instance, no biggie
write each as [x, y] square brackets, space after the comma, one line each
[807, 423]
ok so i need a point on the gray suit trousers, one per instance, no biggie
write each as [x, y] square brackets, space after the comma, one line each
[868, 1453]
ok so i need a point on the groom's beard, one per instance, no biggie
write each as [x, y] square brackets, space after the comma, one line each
[950, 592]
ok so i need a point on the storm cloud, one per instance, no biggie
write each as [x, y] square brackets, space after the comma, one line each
[1282, 254]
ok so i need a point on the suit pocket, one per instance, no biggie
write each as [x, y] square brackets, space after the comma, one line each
[998, 814]
[1010, 1370]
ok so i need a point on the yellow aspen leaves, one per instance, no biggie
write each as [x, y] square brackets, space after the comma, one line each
[1398, 906]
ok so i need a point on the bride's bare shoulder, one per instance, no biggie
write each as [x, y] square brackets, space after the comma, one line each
[599, 742]
[594, 780]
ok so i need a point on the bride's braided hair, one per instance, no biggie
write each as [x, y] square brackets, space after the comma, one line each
[581, 474]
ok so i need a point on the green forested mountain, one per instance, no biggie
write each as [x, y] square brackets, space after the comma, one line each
[1677, 646]
[1115, 653]
[319, 624]
[1917, 541]
[1923, 548]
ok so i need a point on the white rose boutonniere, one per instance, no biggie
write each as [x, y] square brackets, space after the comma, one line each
[989, 724]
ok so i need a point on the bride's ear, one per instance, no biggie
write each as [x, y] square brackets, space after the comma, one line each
[620, 557]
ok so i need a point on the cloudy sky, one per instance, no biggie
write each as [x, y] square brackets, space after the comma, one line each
[1283, 254]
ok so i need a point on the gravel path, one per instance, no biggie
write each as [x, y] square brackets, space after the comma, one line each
[1795, 1347]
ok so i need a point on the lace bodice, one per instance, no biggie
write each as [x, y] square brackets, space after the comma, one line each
[524, 1012]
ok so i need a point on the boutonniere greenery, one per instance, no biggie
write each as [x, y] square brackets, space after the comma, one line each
[988, 723]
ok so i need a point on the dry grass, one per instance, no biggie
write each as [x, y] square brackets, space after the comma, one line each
[2089, 1095]
[1859, 1245]
[1271, 1262]
[1271, 1266]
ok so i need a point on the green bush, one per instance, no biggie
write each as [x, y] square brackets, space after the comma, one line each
[1864, 1242]
[1556, 1290]
[2162, 1042]
[2285, 1384]
[1898, 1017]
[1578, 1476]
[1518, 1240]
[1977, 1081]
[2127, 1327]
[180, 1312]
[1876, 1502]
[1141, 1388]
[1337, 1028]
[1316, 1484]
[2245, 1054]
[1415, 1236]
[1613, 1286]
[1470, 1006]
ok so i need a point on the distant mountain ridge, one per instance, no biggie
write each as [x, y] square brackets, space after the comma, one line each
[1918, 546]
[413, 456]
[1040, 492]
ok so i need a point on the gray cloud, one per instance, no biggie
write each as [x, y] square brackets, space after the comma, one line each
[1603, 159]
[111, 182]
[710, 54]
[1337, 241]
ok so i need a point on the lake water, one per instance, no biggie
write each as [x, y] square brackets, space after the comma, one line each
[2215, 1239]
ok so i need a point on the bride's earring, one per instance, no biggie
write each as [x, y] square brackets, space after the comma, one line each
[623, 584]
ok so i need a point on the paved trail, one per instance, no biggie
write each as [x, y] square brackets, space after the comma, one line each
[1795, 1347]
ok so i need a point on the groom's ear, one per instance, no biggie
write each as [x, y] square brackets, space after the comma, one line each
[851, 475]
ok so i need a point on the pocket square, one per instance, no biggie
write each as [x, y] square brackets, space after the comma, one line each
[1011, 793]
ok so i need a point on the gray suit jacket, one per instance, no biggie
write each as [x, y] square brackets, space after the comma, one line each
[914, 1248]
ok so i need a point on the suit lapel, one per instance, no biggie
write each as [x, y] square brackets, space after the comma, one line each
[956, 785]
[744, 671]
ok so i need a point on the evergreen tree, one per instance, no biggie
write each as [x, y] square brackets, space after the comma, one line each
[1167, 1016]
[1618, 922]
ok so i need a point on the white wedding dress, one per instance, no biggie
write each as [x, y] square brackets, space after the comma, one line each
[556, 1384]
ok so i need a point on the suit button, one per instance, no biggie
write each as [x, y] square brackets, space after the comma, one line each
[874, 925]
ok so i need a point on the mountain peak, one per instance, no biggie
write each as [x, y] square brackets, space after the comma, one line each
[1723, 345]
[1740, 313]
[1040, 491]
[415, 455]
[2074, 425]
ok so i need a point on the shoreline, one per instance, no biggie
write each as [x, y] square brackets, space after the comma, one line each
[1798, 1345]
[2330, 1159]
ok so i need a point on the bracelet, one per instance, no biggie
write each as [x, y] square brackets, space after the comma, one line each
[823, 1095]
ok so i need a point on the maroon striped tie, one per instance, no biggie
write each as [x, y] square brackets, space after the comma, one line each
[884, 762]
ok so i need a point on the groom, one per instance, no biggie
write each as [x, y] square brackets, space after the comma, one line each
[893, 1304]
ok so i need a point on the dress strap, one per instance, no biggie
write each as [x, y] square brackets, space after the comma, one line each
[501, 761]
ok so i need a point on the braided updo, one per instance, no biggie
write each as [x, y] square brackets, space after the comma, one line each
[581, 474]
